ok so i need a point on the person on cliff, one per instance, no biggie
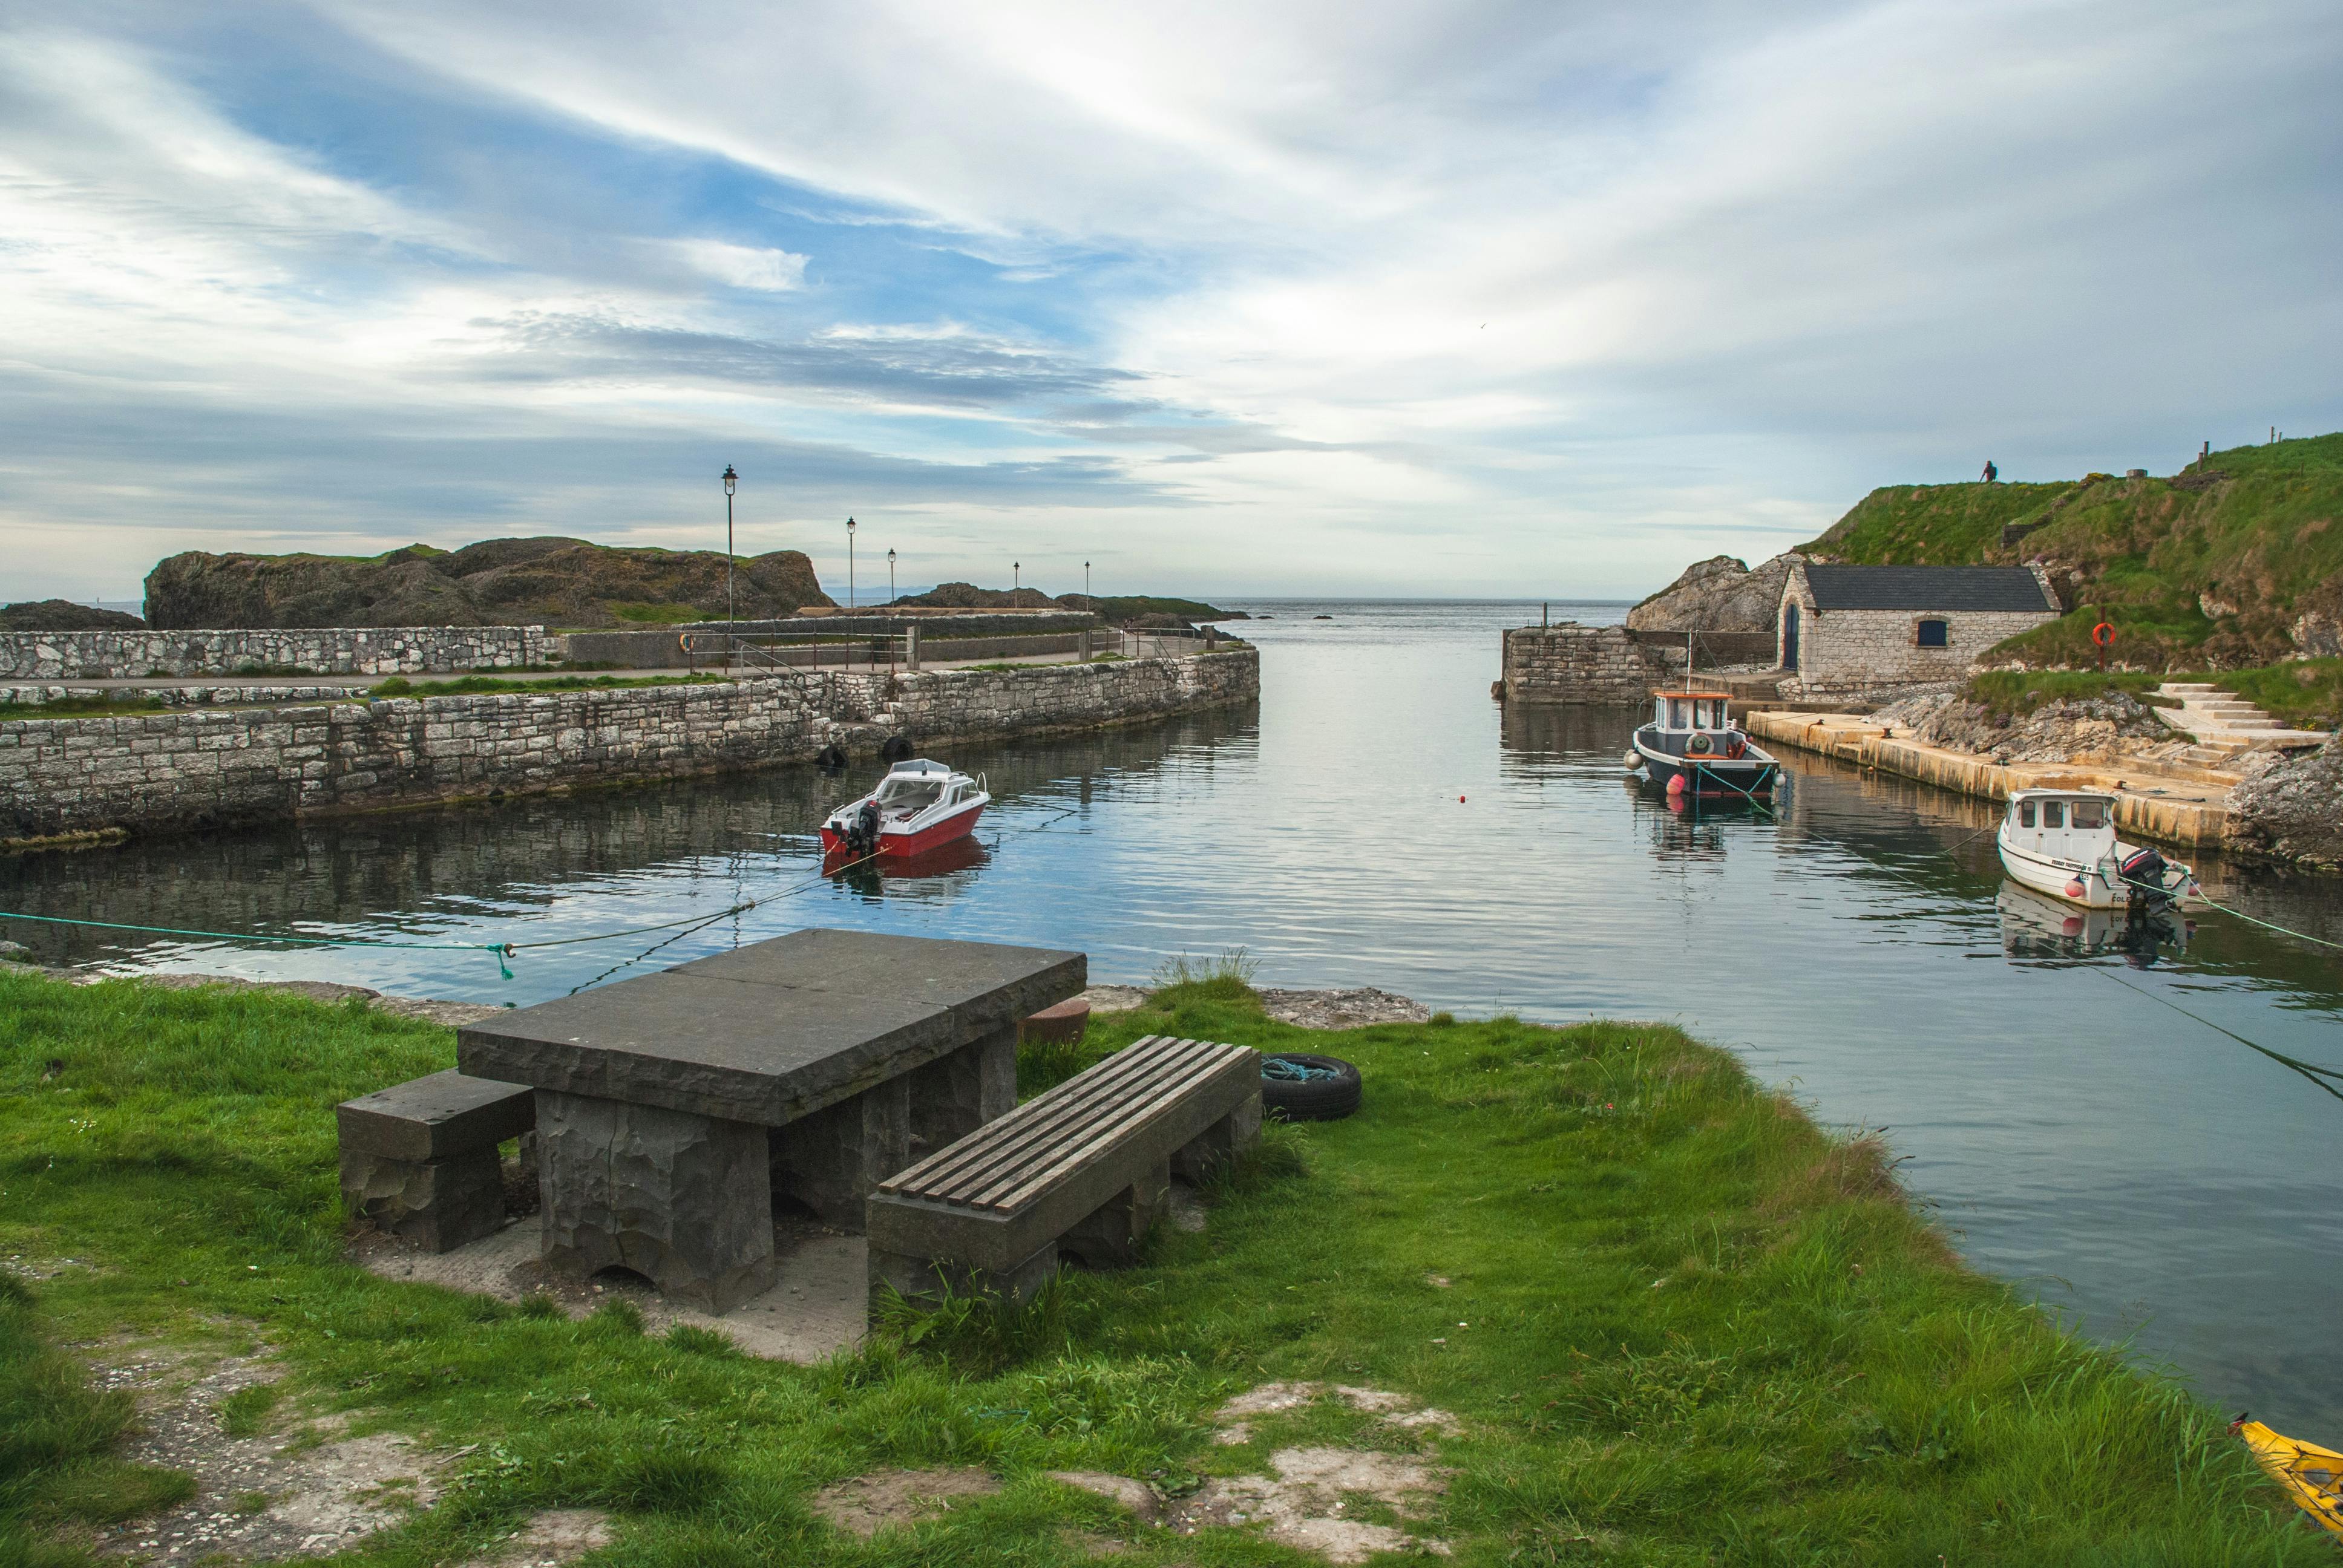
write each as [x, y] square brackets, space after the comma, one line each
[1991, 473]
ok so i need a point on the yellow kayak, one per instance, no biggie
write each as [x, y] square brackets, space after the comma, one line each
[2312, 1475]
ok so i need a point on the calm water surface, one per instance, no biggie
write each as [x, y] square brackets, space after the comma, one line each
[1378, 821]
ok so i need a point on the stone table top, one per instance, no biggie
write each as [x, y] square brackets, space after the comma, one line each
[776, 1030]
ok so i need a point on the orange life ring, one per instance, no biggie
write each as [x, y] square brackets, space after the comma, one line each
[2102, 634]
[1698, 746]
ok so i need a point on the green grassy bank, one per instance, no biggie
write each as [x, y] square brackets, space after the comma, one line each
[2206, 569]
[1680, 1324]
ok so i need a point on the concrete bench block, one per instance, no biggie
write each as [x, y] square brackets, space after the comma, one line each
[419, 1159]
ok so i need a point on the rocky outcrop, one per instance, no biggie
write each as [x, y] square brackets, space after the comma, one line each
[63, 615]
[968, 596]
[1719, 594]
[551, 581]
[2317, 629]
[2294, 809]
[2093, 729]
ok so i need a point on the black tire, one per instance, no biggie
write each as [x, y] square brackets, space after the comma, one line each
[897, 749]
[831, 757]
[1316, 1099]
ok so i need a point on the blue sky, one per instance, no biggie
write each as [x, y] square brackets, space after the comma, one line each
[1413, 299]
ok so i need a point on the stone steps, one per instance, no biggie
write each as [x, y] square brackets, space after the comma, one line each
[2222, 720]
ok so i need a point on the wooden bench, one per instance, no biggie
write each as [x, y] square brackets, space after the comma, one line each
[419, 1159]
[1082, 1170]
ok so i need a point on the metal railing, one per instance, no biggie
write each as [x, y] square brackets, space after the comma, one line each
[1153, 644]
[780, 653]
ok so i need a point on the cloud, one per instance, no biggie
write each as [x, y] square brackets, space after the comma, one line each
[1426, 296]
[745, 266]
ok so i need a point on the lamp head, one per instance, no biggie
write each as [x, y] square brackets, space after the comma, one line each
[730, 478]
[850, 525]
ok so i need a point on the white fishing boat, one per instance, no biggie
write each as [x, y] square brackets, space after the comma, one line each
[2063, 843]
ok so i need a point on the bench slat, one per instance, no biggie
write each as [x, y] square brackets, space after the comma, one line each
[1026, 1185]
[1104, 1114]
[955, 1175]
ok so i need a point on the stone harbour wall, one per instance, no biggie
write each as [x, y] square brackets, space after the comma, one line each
[1590, 664]
[195, 767]
[344, 651]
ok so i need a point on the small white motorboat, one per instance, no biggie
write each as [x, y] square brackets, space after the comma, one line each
[2063, 843]
[920, 806]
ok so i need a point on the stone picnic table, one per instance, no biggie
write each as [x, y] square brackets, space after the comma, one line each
[673, 1108]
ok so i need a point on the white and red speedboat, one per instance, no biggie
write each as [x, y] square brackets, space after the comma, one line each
[920, 806]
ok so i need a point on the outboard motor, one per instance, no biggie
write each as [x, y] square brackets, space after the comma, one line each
[2143, 874]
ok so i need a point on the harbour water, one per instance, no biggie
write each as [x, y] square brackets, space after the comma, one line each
[2067, 1103]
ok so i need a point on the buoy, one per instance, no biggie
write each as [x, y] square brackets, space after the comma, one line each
[1676, 785]
[2075, 889]
[1632, 762]
[1460, 800]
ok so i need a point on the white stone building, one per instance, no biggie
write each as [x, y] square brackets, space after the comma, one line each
[1852, 631]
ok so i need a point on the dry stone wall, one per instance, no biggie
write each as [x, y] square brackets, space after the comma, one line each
[344, 650]
[1851, 653]
[1591, 664]
[196, 769]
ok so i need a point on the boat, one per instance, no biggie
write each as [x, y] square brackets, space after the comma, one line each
[1691, 747]
[919, 806]
[2312, 1475]
[2063, 843]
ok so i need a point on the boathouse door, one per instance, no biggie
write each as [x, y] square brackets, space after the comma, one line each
[1790, 637]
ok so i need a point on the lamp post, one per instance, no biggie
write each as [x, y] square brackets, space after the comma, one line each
[850, 565]
[1016, 576]
[1086, 590]
[731, 607]
[890, 574]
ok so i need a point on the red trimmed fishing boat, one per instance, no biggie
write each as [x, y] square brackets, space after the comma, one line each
[920, 806]
[1691, 747]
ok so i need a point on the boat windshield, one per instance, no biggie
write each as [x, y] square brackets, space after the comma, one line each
[911, 794]
[2089, 813]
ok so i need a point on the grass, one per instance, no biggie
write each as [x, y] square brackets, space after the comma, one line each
[2257, 529]
[473, 685]
[2014, 693]
[1683, 1325]
[90, 705]
[2306, 694]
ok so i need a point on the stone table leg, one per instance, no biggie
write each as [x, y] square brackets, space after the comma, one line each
[831, 1160]
[954, 1095]
[685, 1200]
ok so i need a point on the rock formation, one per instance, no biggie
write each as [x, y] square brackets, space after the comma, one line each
[2293, 810]
[968, 596]
[556, 582]
[2102, 729]
[63, 615]
[1719, 594]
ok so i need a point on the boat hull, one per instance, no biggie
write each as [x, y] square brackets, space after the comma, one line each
[896, 845]
[1747, 777]
[2086, 886]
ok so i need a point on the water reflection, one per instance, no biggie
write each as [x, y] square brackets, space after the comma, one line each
[2035, 929]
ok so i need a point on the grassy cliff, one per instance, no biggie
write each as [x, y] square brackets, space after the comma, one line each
[2213, 566]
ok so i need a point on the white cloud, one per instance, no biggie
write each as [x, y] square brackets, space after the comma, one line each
[745, 266]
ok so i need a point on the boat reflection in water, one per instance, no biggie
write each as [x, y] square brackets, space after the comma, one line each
[871, 875]
[2037, 928]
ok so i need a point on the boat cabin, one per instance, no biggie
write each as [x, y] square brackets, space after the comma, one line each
[911, 788]
[2073, 826]
[1683, 712]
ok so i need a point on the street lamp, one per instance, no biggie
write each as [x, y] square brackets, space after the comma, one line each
[849, 564]
[1086, 590]
[732, 608]
[890, 575]
[1016, 576]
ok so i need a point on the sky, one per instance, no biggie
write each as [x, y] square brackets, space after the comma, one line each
[1458, 298]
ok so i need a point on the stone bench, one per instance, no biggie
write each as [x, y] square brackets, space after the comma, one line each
[419, 1159]
[1082, 1170]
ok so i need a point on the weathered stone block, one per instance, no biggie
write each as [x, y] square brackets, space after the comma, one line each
[830, 1161]
[685, 1200]
[440, 1203]
[956, 1094]
[1225, 1140]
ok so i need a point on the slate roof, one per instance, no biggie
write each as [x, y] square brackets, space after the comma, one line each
[1927, 588]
